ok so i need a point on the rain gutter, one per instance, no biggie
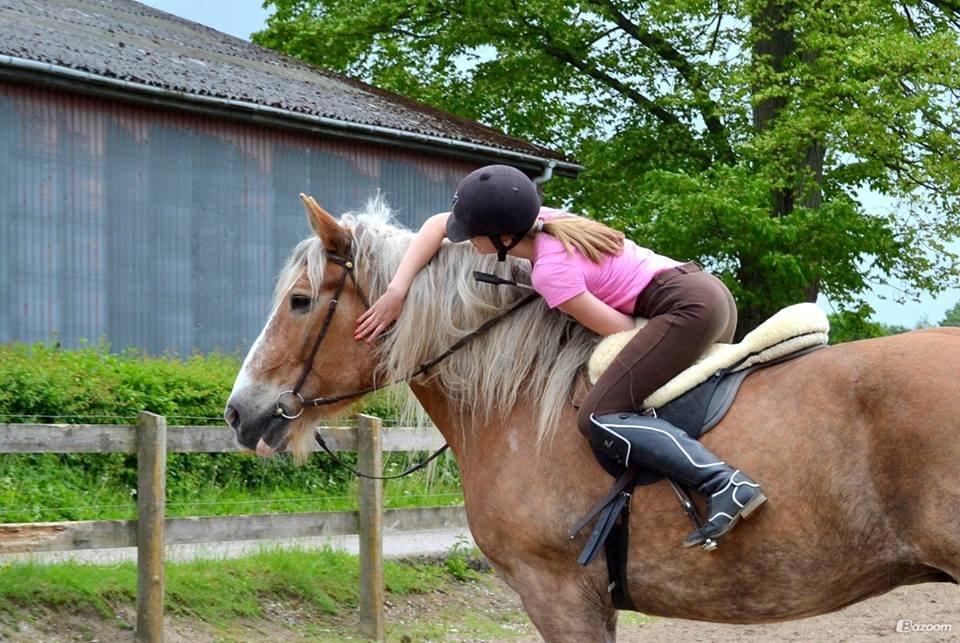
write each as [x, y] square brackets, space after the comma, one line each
[117, 88]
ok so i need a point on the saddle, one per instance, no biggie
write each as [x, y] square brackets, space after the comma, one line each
[700, 396]
[694, 401]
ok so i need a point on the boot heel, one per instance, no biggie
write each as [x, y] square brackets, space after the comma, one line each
[753, 505]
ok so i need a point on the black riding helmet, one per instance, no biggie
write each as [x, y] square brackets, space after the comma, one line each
[491, 201]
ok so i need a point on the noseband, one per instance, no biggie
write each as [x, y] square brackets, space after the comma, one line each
[348, 266]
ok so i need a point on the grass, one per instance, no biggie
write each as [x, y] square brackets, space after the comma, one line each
[291, 595]
[213, 591]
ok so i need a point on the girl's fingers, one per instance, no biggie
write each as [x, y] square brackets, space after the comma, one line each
[364, 328]
[372, 326]
[375, 334]
[369, 312]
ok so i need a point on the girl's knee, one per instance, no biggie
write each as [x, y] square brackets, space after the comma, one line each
[583, 421]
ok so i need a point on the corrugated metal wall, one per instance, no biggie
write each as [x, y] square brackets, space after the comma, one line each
[163, 230]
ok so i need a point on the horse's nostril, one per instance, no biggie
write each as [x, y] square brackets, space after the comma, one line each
[232, 416]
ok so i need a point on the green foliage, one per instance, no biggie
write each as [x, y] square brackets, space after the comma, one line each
[952, 318]
[738, 134]
[848, 326]
[213, 591]
[460, 562]
[42, 384]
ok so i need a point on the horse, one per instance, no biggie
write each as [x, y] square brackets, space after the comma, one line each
[856, 445]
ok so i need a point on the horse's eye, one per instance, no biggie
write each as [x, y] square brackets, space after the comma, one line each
[299, 303]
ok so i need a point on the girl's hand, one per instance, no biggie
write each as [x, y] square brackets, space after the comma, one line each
[380, 315]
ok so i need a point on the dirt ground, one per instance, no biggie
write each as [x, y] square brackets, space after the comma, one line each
[870, 620]
[486, 610]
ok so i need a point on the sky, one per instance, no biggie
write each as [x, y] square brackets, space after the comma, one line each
[238, 18]
[241, 18]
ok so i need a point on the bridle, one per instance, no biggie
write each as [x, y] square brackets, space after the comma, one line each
[348, 265]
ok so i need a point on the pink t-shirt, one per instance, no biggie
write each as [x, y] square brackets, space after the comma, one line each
[617, 281]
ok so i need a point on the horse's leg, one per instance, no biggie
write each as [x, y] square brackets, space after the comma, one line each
[566, 608]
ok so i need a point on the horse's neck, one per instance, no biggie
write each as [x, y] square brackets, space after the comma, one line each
[507, 444]
[470, 445]
[517, 492]
[443, 416]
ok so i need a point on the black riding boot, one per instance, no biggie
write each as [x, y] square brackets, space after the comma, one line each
[663, 448]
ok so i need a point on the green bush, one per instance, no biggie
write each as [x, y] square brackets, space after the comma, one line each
[40, 383]
[852, 325]
[90, 385]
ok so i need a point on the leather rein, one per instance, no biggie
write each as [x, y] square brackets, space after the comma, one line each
[300, 403]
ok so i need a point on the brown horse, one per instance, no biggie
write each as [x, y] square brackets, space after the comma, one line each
[857, 446]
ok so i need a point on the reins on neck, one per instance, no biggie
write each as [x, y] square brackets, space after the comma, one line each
[348, 265]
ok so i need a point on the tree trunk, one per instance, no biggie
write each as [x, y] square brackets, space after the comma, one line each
[775, 43]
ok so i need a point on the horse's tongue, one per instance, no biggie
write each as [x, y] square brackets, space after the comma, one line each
[264, 450]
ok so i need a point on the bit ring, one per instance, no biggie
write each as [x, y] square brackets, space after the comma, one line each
[282, 412]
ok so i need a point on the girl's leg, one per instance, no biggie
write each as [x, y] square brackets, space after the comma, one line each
[688, 312]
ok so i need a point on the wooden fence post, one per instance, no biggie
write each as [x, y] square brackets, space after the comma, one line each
[370, 461]
[151, 504]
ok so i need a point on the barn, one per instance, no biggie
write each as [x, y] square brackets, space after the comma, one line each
[150, 168]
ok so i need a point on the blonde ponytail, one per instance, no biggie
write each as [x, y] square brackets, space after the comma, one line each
[593, 239]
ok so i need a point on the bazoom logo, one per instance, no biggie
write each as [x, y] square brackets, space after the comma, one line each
[908, 626]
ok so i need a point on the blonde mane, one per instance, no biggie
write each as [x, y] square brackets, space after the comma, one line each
[532, 356]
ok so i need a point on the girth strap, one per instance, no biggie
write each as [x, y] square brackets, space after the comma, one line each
[625, 479]
[618, 550]
[612, 532]
[608, 517]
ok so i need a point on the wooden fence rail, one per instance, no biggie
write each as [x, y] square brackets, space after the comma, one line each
[109, 438]
[151, 439]
[43, 537]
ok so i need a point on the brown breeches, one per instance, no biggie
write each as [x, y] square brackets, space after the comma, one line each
[688, 310]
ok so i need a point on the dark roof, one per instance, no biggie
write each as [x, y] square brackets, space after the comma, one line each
[126, 40]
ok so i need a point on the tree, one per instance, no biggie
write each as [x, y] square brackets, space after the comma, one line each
[737, 134]
[851, 325]
[952, 317]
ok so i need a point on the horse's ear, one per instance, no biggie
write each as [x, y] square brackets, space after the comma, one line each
[335, 237]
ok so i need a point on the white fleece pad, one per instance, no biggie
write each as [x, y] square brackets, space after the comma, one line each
[792, 329]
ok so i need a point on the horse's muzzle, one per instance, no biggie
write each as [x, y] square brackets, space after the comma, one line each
[253, 428]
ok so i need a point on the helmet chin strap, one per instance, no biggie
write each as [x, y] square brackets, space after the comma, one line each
[502, 249]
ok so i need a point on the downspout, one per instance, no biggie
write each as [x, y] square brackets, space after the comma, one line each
[546, 176]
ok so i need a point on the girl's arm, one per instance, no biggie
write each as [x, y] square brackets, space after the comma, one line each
[596, 315]
[387, 308]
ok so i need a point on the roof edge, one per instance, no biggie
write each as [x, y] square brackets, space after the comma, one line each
[90, 83]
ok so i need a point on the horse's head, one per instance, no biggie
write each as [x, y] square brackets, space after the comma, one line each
[299, 354]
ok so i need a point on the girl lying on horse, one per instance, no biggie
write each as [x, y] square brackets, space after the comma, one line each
[604, 281]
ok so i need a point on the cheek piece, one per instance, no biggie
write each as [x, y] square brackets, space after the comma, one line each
[503, 249]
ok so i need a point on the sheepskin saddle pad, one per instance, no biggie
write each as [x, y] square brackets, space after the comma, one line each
[793, 329]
